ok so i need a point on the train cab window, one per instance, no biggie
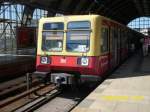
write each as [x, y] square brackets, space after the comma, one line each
[78, 36]
[79, 25]
[104, 43]
[53, 26]
[52, 36]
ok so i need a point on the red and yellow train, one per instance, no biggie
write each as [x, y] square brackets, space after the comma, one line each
[82, 47]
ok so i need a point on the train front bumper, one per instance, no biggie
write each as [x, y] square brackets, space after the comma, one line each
[69, 64]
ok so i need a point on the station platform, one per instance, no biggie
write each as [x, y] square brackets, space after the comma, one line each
[12, 65]
[126, 90]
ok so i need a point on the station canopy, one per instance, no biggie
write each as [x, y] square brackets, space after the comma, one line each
[122, 11]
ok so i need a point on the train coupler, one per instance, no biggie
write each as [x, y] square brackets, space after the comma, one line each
[62, 78]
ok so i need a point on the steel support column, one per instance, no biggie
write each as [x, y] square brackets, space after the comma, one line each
[50, 14]
[27, 15]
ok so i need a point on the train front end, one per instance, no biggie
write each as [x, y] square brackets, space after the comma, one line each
[66, 48]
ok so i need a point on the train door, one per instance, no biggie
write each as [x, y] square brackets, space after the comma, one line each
[115, 46]
[118, 46]
[127, 45]
[105, 48]
[121, 45]
[111, 63]
[109, 48]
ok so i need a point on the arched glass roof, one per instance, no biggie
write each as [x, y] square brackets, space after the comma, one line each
[122, 11]
[141, 24]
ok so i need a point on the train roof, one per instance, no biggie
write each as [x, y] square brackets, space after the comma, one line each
[82, 17]
[77, 17]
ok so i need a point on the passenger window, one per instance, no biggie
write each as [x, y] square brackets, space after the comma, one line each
[104, 39]
[78, 36]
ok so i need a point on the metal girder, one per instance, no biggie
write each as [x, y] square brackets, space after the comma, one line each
[85, 7]
[146, 5]
[71, 6]
[50, 14]
[101, 6]
[91, 6]
[138, 6]
[55, 6]
[27, 15]
[79, 6]
[120, 10]
[63, 4]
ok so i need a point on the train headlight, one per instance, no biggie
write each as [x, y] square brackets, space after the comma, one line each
[84, 61]
[45, 60]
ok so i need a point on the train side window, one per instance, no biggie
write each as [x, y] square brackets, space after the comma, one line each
[104, 39]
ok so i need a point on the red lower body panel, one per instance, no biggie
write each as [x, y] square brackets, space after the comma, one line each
[97, 65]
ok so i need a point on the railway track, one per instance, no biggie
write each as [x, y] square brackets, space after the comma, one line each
[39, 97]
[65, 101]
[13, 87]
[29, 100]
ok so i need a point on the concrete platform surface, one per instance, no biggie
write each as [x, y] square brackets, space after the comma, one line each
[126, 90]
